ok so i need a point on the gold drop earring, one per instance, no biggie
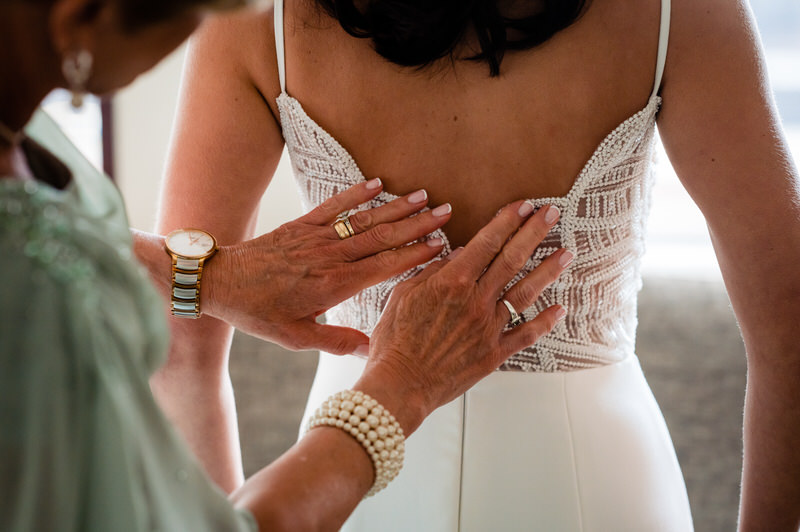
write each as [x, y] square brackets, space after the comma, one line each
[77, 69]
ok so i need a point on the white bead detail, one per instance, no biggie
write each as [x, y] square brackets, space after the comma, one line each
[371, 424]
[602, 221]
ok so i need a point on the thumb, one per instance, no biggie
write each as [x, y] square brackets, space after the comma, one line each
[332, 339]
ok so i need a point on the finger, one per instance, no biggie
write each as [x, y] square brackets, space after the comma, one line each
[331, 339]
[343, 201]
[525, 293]
[484, 247]
[393, 235]
[529, 333]
[382, 266]
[516, 253]
[391, 212]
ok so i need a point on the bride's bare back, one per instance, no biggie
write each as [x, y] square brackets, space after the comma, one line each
[472, 140]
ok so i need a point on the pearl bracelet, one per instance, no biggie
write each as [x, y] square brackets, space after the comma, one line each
[372, 425]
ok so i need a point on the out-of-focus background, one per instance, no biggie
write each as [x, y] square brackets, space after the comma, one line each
[688, 340]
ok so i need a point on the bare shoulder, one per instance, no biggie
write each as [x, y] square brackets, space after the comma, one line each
[718, 121]
[714, 64]
[245, 42]
[711, 14]
[712, 40]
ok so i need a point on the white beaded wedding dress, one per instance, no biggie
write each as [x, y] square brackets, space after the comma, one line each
[567, 435]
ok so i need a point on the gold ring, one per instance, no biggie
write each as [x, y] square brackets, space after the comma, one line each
[341, 230]
[515, 319]
[343, 226]
[349, 226]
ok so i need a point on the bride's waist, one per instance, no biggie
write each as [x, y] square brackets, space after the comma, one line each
[571, 346]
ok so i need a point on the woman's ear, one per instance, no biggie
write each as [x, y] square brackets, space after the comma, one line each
[73, 24]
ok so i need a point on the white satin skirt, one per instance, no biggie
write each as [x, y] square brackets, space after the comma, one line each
[578, 451]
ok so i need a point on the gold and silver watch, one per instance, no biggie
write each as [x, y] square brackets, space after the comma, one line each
[190, 249]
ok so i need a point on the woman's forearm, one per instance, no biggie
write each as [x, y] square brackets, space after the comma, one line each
[193, 388]
[771, 475]
[317, 483]
[765, 295]
[314, 486]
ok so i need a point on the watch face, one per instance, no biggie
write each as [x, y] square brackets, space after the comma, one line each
[191, 243]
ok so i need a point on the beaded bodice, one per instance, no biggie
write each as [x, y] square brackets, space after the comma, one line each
[602, 221]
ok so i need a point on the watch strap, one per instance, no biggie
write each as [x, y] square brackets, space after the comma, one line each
[185, 296]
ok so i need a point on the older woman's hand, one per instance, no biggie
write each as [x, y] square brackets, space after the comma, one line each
[275, 286]
[444, 330]
[440, 333]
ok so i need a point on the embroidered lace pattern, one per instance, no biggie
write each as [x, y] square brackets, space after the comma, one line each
[602, 221]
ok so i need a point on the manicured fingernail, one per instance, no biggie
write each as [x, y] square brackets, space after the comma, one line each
[561, 314]
[566, 259]
[442, 210]
[455, 253]
[525, 209]
[435, 242]
[418, 197]
[362, 350]
[372, 184]
[552, 214]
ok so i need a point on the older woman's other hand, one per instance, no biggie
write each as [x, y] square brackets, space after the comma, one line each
[275, 286]
[444, 330]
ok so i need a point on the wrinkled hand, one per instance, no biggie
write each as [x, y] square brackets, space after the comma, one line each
[275, 286]
[443, 331]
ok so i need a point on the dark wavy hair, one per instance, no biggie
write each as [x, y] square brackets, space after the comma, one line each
[416, 33]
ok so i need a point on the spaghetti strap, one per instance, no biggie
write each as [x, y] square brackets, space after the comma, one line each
[663, 44]
[279, 42]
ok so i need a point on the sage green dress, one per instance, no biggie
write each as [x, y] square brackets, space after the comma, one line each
[83, 446]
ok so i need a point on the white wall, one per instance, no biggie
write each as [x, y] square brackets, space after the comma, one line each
[143, 117]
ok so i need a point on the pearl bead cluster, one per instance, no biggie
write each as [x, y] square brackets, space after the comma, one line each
[372, 425]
